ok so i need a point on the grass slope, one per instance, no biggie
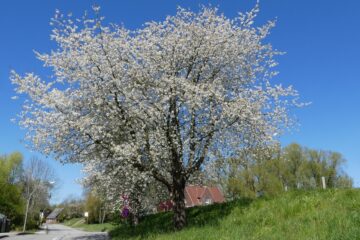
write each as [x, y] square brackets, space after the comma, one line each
[80, 223]
[330, 214]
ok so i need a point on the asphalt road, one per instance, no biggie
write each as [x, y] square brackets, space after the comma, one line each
[61, 232]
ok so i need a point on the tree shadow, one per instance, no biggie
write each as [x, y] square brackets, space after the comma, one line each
[159, 223]
[25, 233]
[91, 237]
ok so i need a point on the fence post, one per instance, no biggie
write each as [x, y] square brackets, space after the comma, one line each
[323, 182]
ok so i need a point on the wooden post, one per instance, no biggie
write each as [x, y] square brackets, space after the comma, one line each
[323, 182]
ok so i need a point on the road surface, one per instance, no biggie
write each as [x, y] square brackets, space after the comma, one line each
[60, 232]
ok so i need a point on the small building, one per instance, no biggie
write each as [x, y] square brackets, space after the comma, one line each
[53, 216]
[202, 195]
[195, 196]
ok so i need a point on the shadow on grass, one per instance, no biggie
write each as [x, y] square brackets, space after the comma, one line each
[162, 222]
[25, 233]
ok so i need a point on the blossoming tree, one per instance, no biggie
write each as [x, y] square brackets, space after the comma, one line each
[157, 100]
[107, 178]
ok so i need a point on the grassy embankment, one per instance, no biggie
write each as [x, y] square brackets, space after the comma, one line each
[80, 223]
[330, 214]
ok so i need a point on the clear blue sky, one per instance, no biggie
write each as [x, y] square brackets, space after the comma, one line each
[321, 39]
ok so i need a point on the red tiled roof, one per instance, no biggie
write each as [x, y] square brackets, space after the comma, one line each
[217, 195]
[194, 195]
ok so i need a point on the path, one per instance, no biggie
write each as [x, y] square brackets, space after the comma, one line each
[61, 232]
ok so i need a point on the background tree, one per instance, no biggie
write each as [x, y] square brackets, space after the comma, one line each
[11, 201]
[315, 166]
[93, 205]
[258, 172]
[158, 99]
[72, 208]
[37, 181]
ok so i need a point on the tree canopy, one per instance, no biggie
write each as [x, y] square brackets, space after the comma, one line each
[157, 101]
[259, 172]
[11, 201]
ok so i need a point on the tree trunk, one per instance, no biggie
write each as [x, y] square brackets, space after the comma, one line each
[134, 219]
[26, 214]
[104, 215]
[179, 203]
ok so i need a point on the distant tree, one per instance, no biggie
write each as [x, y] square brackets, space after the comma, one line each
[316, 166]
[11, 201]
[72, 208]
[253, 172]
[93, 207]
[334, 161]
[294, 157]
[343, 181]
[269, 171]
[37, 183]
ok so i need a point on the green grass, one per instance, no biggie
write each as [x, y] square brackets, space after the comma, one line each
[80, 223]
[73, 221]
[330, 214]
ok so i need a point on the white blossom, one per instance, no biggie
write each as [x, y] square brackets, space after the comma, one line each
[156, 101]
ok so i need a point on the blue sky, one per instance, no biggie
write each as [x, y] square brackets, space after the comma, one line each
[321, 39]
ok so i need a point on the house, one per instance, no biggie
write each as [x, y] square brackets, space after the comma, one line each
[53, 216]
[196, 196]
[202, 195]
